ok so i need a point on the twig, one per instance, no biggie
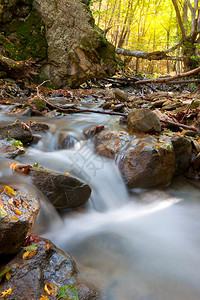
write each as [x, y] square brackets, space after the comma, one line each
[179, 125]
[164, 80]
[188, 108]
[71, 110]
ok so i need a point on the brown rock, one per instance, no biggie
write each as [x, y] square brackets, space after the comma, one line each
[18, 131]
[45, 269]
[19, 216]
[143, 120]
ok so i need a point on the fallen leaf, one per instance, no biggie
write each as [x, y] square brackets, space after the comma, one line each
[47, 247]
[9, 191]
[50, 289]
[47, 290]
[14, 218]
[32, 247]
[8, 275]
[67, 173]
[6, 293]
[68, 291]
[5, 272]
[3, 213]
[29, 254]
[13, 166]
[44, 297]
[18, 212]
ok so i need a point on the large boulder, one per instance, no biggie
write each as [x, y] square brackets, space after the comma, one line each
[60, 35]
[63, 191]
[42, 271]
[18, 131]
[18, 210]
[144, 161]
[143, 120]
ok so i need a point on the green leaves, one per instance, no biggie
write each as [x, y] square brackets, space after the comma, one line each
[5, 272]
[32, 247]
[69, 292]
[36, 165]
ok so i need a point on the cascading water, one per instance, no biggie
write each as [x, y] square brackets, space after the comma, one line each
[137, 245]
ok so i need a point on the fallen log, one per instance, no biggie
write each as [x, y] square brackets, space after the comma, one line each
[18, 69]
[165, 80]
[155, 55]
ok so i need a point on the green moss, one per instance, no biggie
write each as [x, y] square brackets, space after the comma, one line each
[39, 104]
[31, 35]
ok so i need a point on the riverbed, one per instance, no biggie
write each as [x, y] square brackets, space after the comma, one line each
[133, 245]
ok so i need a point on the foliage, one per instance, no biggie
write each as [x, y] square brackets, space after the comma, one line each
[69, 292]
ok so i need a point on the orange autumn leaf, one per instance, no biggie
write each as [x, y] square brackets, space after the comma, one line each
[44, 297]
[9, 191]
[18, 212]
[14, 218]
[8, 275]
[47, 246]
[5, 293]
[29, 254]
[13, 166]
[50, 289]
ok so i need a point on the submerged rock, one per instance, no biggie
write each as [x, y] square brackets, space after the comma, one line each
[63, 191]
[18, 210]
[143, 120]
[42, 272]
[8, 148]
[19, 131]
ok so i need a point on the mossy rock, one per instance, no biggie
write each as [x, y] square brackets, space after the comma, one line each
[39, 104]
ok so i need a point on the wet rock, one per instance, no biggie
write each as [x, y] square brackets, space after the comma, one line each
[43, 272]
[189, 133]
[19, 131]
[22, 112]
[120, 95]
[39, 127]
[91, 131]
[183, 152]
[144, 161]
[18, 210]
[66, 140]
[63, 191]
[158, 103]
[118, 108]
[147, 162]
[109, 143]
[196, 163]
[106, 105]
[10, 151]
[143, 120]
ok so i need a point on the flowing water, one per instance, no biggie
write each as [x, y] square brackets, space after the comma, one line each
[136, 245]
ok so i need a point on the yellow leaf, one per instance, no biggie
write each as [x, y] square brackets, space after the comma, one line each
[13, 166]
[51, 289]
[67, 173]
[44, 297]
[29, 254]
[6, 293]
[18, 212]
[8, 275]
[9, 191]
[47, 290]
[14, 218]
